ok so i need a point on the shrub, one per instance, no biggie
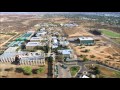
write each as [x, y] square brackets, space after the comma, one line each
[27, 70]
[92, 56]
[19, 70]
[38, 71]
[81, 56]
[9, 69]
[85, 59]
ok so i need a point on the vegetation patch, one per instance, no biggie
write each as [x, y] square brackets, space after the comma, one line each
[39, 70]
[74, 70]
[110, 33]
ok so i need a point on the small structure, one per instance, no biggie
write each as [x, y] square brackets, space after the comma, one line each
[84, 76]
[31, 45]
[86, 40]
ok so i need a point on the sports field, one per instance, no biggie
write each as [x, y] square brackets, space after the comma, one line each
[110, 33]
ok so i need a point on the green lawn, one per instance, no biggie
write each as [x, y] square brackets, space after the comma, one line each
[74, 70]
[110, 33]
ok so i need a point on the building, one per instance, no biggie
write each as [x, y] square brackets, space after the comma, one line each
[35, 39]
[64, 43]
[86, 40]
[29, 58]
[11, 50]
[54, 42]
[66, 53]
[31, 45]
[41, 33]
[33, 58]
[26, 36]
[84, 76]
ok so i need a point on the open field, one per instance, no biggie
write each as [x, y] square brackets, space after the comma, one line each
[14, 74]
[117, 40]
[100, 53]
[106, 73]
[76, 32]
[4, 37]
[110, 33]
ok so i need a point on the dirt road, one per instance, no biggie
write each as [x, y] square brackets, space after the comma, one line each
[8, 40]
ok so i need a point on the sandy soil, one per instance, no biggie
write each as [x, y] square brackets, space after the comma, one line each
[101, 53]
[76, 32]
[4, 37]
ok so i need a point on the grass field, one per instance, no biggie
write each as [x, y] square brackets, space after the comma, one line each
[110, 33]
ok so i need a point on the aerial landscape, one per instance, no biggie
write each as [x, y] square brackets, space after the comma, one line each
[59, 44]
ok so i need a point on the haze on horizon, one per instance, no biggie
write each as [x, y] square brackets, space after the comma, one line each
[42, 13]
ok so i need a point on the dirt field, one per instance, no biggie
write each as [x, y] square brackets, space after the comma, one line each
[102, 53]
[13, 74]
[76, 32]
[4, 37]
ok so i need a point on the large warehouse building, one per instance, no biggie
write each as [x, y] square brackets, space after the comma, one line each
[86, 40]
[31, 45]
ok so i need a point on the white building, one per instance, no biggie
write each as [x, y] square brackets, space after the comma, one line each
[41, 33]
[35, 39]
[64, 43]
[84, 76]
[11, 50]
[67, 53]
[33, 58]
[31, 45]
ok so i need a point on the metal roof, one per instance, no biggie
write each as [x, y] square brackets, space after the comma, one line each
[86, 38]
[33, 44]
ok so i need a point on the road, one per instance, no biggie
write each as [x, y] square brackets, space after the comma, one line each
[49, 52]
[8, 40]
[62, 72]
[82, 64]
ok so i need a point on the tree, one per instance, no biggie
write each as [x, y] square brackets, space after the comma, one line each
[85, 59]
[23, 46]
[97, 71]
[50, 59]
[59, 58]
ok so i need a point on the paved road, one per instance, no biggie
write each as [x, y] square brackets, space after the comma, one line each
[63, 73]
[82, 64]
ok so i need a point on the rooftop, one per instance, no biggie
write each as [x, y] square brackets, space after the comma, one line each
[35, 38]
[11, 49]
[86, 38]
[33, 44]
[84, 76]
[67, 51]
